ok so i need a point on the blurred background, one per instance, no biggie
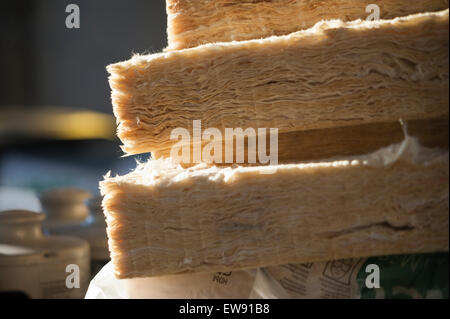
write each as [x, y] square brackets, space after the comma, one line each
[56, 122]
[57, 135]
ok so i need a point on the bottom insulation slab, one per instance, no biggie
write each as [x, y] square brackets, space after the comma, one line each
[164, 219]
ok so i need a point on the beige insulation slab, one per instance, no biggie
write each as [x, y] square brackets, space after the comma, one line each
[163, 219]
[333, 75]
[310, 145]
[194, 22]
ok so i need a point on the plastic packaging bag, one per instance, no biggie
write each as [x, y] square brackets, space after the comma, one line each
[233, 284]
[402, 276]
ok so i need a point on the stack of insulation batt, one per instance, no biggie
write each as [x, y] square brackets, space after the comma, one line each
[351, 180]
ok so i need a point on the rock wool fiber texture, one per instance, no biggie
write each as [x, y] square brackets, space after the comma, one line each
[311, 145]
[163, 219]
[332, 75]
[194, 22]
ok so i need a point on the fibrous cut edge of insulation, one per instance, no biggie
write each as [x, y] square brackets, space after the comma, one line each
[164, 219]
[192, 23]
[335, 74]
[317, 144]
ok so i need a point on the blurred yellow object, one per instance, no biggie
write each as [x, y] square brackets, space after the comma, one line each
[56, 123]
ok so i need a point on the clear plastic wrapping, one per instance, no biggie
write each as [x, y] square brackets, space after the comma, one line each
[401, 276]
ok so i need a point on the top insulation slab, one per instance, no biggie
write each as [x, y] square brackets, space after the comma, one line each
[332, 75]
[194, 22]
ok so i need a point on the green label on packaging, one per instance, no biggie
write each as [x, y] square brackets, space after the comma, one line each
[407, 276]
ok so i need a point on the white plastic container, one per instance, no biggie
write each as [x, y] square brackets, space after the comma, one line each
[37, 265]
[68, 214]
[65, 208]
[94, 232]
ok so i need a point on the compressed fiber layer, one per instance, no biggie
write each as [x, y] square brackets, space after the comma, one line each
[332, 75]
[313, 145]
[194, 22]
[163, 219]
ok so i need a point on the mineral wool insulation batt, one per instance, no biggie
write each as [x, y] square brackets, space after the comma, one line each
[164, 219]
[332, 75]
[237, 20]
